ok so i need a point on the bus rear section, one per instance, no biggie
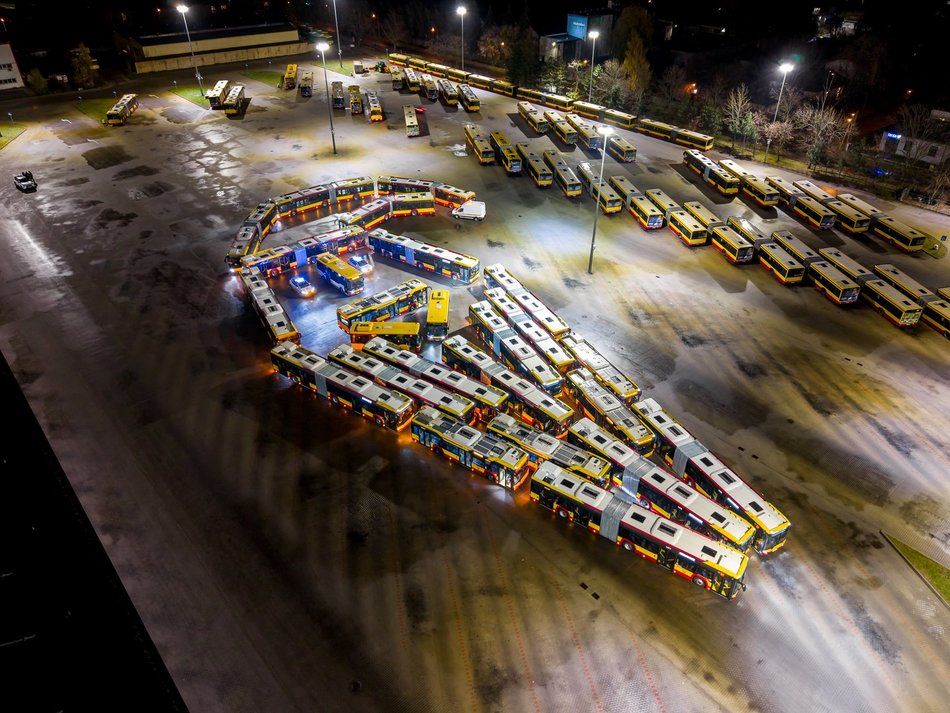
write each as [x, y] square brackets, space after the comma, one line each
[437, 321]
[733, 246]
[832, 283]
[689, 230]
[505, 153]
[785, 268]
[217, 94]
[899, 309]
[480, 146]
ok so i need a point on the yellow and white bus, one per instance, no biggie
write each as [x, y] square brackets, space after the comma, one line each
[375, 108]
[849, 266]
[533, 117]
[795, 247]
[910, 287]
[437, 320]
[747, 230]
[346, 278]
[558, 124]
[405, 335]
[852, 200]
[700, 212]
[412, 121]
[505, 153]
[897, 308]
[848, 218]
[936, 315]
[290, 77]
[234, 102]
[412, 79]
[479, 145]
[622, 150]
[605, 196]
[733, 246]
[814, 190]
[122, 110]
[786, 189]
[832, 283]
[624, 188]
[663, 202]
[450, 94]
[690, 230]
[816, 213]
[217, 94]
[469, 100]
[563, 175]
[648, 215]
[899, 234]
[783, 266]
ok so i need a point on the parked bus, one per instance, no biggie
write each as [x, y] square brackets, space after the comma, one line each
[747, 230]
[624, 188]
[936, 315]
[273, 317]
[480, 81]
[604, 409]
[478, 452]
[758, 189]
[306, 85]
[412, 121]
[395, 184]
[423, 256]
[531, 331]
[511, 349]
[405, 335]
[542, 447]
[563, 130]
[701, 213]
[423, 392]
[557, 101]
[437, 319]
[910, 287]
[489, 401]
[290, 77]
[398, 78]
[528, 95]
[346, 278]
[436, 70]
[339, 98]
[689, 230]
[897, 308]
[428, 88]
[375, 108]
[398, 59]
[606, 198]
[783, 266]
[619, 118]
[217, 94]
[234, 102]
[499, 86]
[711, 173]
[813, 190]
[122, 110]
[412, 79]
[832, 283]
[674, 134]
[534, 118]
[505, 153]
[614, 380]
[735, 248]
[469, 100]
[795, 247]
[411, 204]
[900, 235]
[848, 218]
[525, 401]
[663, 202]
[849, 266]
[817, 214]
[563, 175]
[356, 99]
[457, 75]
[342, 387]
[479, 145]
[622, 150]
[539, 172]
[859, 205]
[450, 196]
[647, 214]
[591, 111]
[450, 94]
[706, 563]
[404, 298]
[787, 192]
[587, 135]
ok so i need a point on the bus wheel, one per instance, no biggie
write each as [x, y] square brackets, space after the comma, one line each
[628, 546]
[699, 581]
[379, 420]
[334, 400]
[415, 212]
[562, 512]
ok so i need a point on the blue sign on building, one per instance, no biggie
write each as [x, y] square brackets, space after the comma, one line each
[577, 26]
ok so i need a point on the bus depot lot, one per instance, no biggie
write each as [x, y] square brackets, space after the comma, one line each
[287, 556]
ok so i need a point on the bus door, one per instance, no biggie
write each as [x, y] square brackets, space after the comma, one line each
[666, 558]
[722, 584]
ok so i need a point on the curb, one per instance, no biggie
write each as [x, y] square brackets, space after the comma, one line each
[915, 570]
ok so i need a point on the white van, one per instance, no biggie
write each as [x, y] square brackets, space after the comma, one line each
[471, 210]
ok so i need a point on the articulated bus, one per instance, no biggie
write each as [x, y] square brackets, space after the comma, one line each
[497, 275]
[343, 276]
[422, 392]
[505, 153]
[674, 134]
[619, 118]
[795, 247]
[412, 121]
[122, 110]
[404, 298]
[689, 230]
[539, 172]
[529, 95]
[861, 206]
[936, 315]
[479, 145]
[591, 111]
[469, 99]
[441, 261]
[832, 283]
[450, 95]
[706, 563]
[814, 190]
[817, 214]
[624, 188]
[218, 93]
[711, 173]
[339, 100]
[648, 215]
[783, 266]
[478, 452]
[759, 190]
[436, 70]
[542, 447]
[587, 135]
[398, 78]
[525, 401]
[533, 117]
[303, 200]
[351, 188]
[368, 214]
[412, 79]
[418, 63]
[524, 324]
[614, 380]
[897, 278]
[400, 60]
[290, 77]
[900, 235]
[450, 196]
[437, 318]
[622, 150]
[787, 192]
[273, 317]
[850, 267]
[557, 101]
[735, 248]
[605, 196]
[604, 409]
[411, 204]
[428, 88]
[558, 124]
[499, 86]
[480, 81]
[511, 349]
[662, 492]
[747, 230]
[663, 202]
[277, 259]
[457, 75]
[375, 108]
[563, 175]
[488, 400]
[396, 184]
[356, 99]
[693, 462]
[897, 308]
[341, 387]
[848, 218]
[405, 335]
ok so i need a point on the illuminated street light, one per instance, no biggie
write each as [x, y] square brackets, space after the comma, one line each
[593, 34]
[784, 68]
[604, 131]
[323, 47]
[339, 42]
[183, 9]
[461, 11]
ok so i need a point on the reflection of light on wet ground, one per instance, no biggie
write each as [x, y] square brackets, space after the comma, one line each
[36, 255]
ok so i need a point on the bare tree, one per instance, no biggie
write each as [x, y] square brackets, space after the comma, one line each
[939, 181]
[820, 129]
[918, 127]
[737, 106]
[495, 43]
[358, 18]
[792, 98]
[672, 83]
[778, 133]
[717, 90]
[611, 85]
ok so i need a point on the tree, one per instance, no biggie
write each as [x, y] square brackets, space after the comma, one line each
[632, 22]
[394, 29]
[523, 65]
[358, 17]
[495, 43]
[37, 82]
[672, 83]
[778, 133]
[552, 76]
[820, 129]
[636, 67]
[611, 85]
[737, 106]
[710, 118]
[919, 129]
[792, 98]
[85, 74]
[939, 181]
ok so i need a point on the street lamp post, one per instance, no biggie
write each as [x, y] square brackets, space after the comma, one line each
[339, 41]
[605, 132]
[323, 47]
[461, 11]
[593, 34]
[785, 68]
[183, 9]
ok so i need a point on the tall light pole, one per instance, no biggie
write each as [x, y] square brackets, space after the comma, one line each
[183, 9]
[323, 47]
[604, 131]
[339, 41]
[461, 11]
[784, 68]
[593, 34]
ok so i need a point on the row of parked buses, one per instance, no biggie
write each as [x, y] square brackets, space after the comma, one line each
[557, 102]
[391, 197]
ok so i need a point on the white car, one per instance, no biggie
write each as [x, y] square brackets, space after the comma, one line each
[302, 286]
[25, 181]
[363, 263]
[470, 210]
